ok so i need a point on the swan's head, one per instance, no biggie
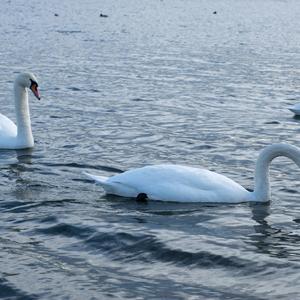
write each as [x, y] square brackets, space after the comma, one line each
[28, 80]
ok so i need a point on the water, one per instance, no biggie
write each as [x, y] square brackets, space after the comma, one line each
[154, 82]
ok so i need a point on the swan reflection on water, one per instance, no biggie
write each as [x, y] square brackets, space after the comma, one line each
[15, 158]
[267, 238]
[15, 164]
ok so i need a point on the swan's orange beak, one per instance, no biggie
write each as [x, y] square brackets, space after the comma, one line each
[34, 89]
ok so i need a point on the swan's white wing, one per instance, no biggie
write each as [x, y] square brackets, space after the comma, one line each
[8, 129]
[177, 183]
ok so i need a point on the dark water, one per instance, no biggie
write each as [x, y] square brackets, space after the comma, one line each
[154, 82]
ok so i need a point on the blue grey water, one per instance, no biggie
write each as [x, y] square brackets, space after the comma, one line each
[154, 82]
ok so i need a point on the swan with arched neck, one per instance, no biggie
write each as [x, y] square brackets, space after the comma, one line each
[186, 184]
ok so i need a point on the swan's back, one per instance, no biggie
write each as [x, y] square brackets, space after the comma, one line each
[8, 131]
[177, 183]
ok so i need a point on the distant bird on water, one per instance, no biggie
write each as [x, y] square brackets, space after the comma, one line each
[295, 109]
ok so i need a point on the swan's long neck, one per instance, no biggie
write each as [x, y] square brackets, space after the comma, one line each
[262, 184]
[24, 137]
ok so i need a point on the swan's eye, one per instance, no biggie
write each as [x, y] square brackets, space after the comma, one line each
[33, 83]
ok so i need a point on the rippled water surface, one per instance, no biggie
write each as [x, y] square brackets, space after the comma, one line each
[154, 82]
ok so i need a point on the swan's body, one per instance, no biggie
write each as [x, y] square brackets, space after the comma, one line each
[186, 184]
[295, 109]
[19, 136]
[174, 183]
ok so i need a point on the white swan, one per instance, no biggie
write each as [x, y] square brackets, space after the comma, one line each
[295, 109]
[186, 184]
[20, 136]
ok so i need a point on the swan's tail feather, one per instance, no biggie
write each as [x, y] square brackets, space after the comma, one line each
[97, 178]
[116, 188]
